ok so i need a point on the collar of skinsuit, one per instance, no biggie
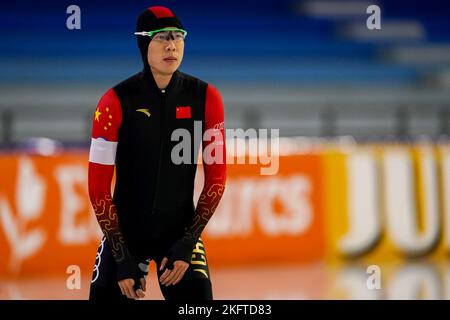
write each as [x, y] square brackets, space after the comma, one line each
[154, 18]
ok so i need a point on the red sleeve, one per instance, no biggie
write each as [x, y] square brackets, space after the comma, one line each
[107, 117]
[214, 164]
[105, 128]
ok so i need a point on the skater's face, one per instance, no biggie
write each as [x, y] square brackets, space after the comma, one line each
[165, 52]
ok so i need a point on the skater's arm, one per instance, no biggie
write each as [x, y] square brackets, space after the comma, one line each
[214, 165]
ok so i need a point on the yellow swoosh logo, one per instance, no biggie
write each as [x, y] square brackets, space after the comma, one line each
[145, 111]
[202, 271]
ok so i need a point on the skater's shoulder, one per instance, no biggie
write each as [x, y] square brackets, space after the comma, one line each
[188, 79]
[129, 85]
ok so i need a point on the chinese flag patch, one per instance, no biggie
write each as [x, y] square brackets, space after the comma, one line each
[183, 112]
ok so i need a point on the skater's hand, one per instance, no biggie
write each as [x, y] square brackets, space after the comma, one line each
[143, 285]
[172, 277]
[127, 288]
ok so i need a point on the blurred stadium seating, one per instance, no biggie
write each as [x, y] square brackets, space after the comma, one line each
[302, 66]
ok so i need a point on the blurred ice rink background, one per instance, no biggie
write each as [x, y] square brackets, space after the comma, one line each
[309, 68]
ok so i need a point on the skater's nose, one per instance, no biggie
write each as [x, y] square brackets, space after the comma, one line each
[171, 45]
